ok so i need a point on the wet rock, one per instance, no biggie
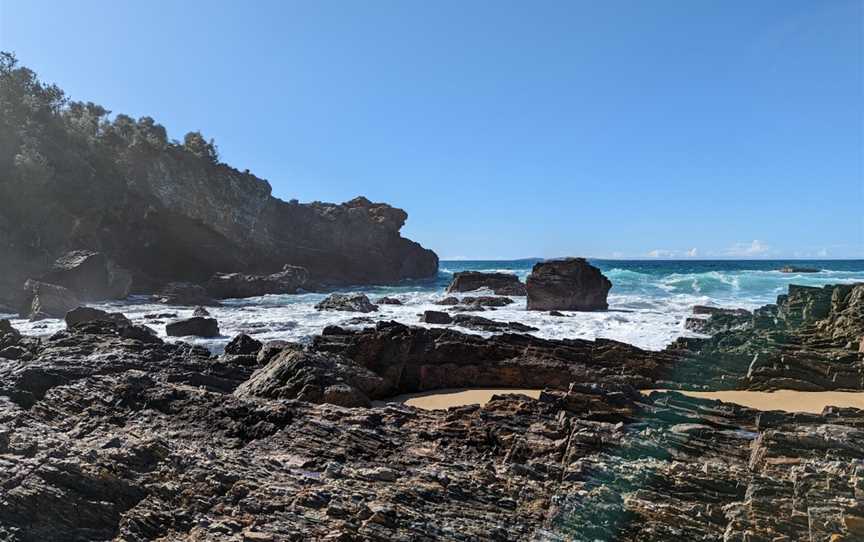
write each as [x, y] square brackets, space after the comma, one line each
[568, 284]
[91, 275]
[484, 324]
[499, 283]
[156, 316]
[201, 312]
[388, 301]
[314, 378]
[436, 317]
[798, 269]
[347, 302]
[42, 300]
[556, 313]
[89, 314]
[359, 321]
[449, 300]
[240, 285]
[196, 326]
[243, 345]
[185, 293]
[487, 301]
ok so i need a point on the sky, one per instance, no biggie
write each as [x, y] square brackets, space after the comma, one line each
[616, 129]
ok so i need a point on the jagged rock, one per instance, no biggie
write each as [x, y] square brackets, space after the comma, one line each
[243, 345]
[196, 326]
[238, 285]
[484, 324]
[359, 321]
[556, 313]
[201, 311]
[91, 275]
[704, 309]
[449, 300]
[388, 301]
[271, 348]
[487, 301]
[347, 302]
[499, 283]
[42, 300]
[568, 284]
[314, 378]
[89, 314]
[717, 320]
[184, 293]
[436, 317]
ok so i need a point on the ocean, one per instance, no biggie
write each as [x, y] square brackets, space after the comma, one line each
[648, 302]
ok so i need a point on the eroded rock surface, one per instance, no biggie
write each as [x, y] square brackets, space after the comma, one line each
[346, 302]
[570, 284]
[499, 283]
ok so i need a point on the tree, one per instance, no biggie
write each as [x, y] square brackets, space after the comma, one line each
[195, 143]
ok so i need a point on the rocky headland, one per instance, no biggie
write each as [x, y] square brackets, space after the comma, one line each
[127, 209]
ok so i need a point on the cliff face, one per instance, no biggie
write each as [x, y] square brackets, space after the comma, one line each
[71, 178]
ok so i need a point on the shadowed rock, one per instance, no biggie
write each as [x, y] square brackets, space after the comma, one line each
[196, 326]
[499, 283]
[43, 300]
[91, 275]
[570, 284]
[184, 293]
[436, 317]
[238, 285]
[89, 314]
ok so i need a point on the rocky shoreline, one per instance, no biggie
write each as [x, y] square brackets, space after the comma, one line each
[108, 432]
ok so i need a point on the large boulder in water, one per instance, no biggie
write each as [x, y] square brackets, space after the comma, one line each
[500, 283]
[81, 315]
[347, 302]
[42, 300]
[91, 275]
[568, 284]
[195, 326]
[185, 293]
[237, 285]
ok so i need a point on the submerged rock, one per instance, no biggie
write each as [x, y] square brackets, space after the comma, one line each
[347, 302]
[484, 324]
[568, 284]
[499, 283]
[196, 326]
[388, 301]
[798, 269]
[239, 285]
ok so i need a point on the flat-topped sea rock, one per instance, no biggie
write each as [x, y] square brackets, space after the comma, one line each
[570, 284]
[798, 269]
[499, 283]
[197, 326]
[346, 302]
[239, 285]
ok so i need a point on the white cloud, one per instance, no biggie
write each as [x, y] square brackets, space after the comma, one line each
[692, 253]
[748, 250]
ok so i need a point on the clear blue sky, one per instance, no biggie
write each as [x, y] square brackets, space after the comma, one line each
[505, 129]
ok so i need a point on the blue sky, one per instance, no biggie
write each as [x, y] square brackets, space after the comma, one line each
[506, 129]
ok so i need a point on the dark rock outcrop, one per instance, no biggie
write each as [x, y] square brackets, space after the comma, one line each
[42, 300]
[91, 275]
[197, 326]
[89, 314]
[243, 345]
[567, 284]
[314, 378]
[238, 285]
[798, 269]
[436, 317]
[711, 320]
[479, 323]
[186, 294]
[388, 301]
[499, 283]
[346, 302]
[168, 212]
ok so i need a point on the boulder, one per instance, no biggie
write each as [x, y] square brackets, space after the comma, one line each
[436, 317]
[239, 285]
[487, 301]
[185, 293]
[89, 314]
[243, 345]
[347, 302]
[91, 275]
[388, 301]
[569, 284]
[484, 324]
[43, 300]
[195, 326]
[449, 300]
[315, 378]
[500, 283]
[201, 311]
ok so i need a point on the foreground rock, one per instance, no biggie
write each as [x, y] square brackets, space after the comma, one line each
[239, 285]
[91, 275]
[42, 300]
[570, 284]
[499, 283]
[197, 326]
[346, 302]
